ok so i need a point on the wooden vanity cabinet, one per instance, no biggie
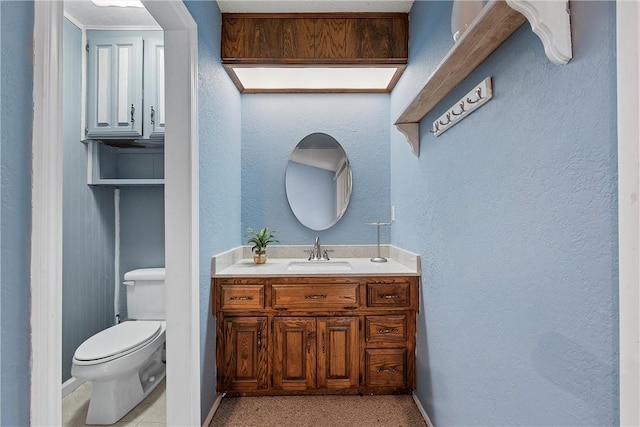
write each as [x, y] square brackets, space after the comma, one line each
[315, 335]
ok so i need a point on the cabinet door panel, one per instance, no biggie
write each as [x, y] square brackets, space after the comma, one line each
[294, 354]
[154, 114]
[338, 353]
[246, 355]
[386, 367]
[114, 96]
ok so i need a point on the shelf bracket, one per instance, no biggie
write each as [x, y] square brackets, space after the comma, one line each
[550, 21]
[411, 131]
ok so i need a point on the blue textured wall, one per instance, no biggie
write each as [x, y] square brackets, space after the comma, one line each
[88, 221]
[16, 112]
[141, 232]
[219, 133]
[514, 211]
[272, 126]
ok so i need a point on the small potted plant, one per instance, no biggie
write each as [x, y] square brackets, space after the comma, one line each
[260, 240]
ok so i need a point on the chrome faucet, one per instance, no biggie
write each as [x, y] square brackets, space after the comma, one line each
[317, 254]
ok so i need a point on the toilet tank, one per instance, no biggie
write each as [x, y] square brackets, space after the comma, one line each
[145, 294]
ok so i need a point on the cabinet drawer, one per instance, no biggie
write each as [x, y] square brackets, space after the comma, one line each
[386, 367]
[381, 294]
[338, 295]
[241, 296]
[386, 329]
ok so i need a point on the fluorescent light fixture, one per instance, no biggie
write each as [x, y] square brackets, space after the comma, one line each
[317, 78]
[118, 3]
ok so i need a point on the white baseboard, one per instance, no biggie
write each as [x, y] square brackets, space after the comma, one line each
[422, 411]
[214, 408]
[70, 385]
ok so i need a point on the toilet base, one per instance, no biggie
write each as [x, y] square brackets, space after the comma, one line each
[113, 399]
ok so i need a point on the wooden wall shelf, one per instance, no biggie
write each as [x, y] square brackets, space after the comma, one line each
[493, 25]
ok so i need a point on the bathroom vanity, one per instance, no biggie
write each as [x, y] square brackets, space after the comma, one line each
[293, 326]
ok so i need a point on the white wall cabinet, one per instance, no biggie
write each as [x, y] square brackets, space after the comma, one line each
[125, 85]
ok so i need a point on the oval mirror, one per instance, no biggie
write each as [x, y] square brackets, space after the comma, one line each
[318, 181]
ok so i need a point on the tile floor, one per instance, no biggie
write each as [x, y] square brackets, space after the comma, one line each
[151, 412]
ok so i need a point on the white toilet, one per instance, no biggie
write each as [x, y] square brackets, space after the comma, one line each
[124, 363]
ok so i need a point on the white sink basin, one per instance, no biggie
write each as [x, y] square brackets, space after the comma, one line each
[319, 266]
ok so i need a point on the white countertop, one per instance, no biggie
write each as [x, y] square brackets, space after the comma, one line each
[239, 263]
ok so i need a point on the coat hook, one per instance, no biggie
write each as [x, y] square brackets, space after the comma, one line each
[436, 128]
[448, 120]
[479, 94]
[461, 105]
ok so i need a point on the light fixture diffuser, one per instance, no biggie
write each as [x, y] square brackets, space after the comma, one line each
[316, 79]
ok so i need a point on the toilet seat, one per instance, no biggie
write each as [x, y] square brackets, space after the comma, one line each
[117, 341]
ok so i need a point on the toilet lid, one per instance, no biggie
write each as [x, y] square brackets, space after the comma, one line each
[120, 339]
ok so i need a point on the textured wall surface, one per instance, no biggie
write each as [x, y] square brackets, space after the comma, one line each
[514, 211]
[16, 112]
[141, 233]
[219, 130]
[88, 222]
[272, 126]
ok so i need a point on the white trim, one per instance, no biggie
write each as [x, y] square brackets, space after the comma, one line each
[214, 408]
[421, 409]
[71, 385]
[628, 91]
[74, 20]
[123, 27]
[181, 211]
[46, 216]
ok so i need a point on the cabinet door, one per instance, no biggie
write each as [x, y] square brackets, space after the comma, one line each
[294, 365]
[246, 355]
[338, 352]
[114, 87]
[154, 114]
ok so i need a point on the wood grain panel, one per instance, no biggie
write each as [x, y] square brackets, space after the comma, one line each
[381, 329]
[388, 294]
[241, 297]
[338, 353]
[233, 44]
[348, 38]
[386, 367]
[331, 38]
[294, 367]
[263, 38]
[246, 361]
[315, 295]
[298, 38]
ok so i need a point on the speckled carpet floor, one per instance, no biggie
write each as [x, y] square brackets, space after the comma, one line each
[318, 411]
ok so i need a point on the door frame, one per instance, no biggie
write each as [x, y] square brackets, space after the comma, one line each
[628, 109]
[181, 214]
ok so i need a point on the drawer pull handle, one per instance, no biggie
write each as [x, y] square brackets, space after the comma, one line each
[388, 370]
[388, 331]
[390, 296]
[241, 298]
[320, 296]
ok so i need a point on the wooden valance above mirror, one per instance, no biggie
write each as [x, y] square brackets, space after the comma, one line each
[303, 40]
